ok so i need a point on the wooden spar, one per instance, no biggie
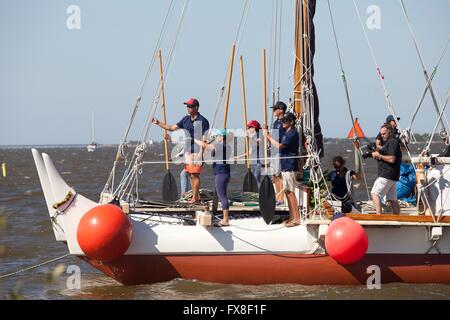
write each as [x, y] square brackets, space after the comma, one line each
[305, 39]
[163, 107]
[265, 106]
[298, 65]
[302, 62]
[230, 74]
[244, 107]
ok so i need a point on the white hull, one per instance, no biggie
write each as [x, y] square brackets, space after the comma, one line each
[247, 236]
[91, 147]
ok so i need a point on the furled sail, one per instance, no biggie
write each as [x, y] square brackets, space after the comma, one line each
[306, 101]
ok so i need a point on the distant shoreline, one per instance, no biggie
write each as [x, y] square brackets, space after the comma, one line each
[133, 143]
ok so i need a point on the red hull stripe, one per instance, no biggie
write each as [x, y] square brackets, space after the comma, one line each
[275, 268]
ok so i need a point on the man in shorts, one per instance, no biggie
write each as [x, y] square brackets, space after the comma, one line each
[195, 126]
[279, 110]
[389, 158]
[288, 147]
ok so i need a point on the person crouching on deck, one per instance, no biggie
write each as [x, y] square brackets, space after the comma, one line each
[288, 147]
[194, 125]
[220, 151]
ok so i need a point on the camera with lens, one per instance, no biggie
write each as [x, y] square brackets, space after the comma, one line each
[367, 150]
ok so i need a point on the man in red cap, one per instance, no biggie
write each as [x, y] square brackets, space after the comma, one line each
[195, 126]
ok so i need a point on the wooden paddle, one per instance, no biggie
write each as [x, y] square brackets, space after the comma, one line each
[169, 186]
[266, 190]
[250, 184]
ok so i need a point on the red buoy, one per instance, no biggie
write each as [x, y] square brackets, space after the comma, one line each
[346, 241]
[104, 232]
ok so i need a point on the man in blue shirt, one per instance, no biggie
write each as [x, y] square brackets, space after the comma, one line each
[288, 146]
[195, 126]
[279, 110]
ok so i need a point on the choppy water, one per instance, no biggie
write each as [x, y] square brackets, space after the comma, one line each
[26, 237]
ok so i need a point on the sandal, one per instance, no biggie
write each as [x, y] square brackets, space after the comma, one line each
[222, 224]
[292, 224]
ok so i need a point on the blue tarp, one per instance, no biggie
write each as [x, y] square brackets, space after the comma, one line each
[406, 183]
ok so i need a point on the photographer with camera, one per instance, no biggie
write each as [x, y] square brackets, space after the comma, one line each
[389, 158]
[390, 120]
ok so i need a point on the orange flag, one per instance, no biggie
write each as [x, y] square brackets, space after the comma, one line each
[356, 131]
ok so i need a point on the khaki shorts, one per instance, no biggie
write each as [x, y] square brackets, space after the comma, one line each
[385, 188]
[289, 180]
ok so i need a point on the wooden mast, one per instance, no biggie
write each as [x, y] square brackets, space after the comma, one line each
[298, 65]
[302, 66]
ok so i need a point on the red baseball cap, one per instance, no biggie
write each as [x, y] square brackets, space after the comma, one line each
[253, 124]
[192, 102]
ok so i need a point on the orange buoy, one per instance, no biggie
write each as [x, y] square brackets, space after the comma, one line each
[104, 232]
[346, 241]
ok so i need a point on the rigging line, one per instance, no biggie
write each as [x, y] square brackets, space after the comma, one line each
[424, 69]
[344, 80]
[34, 267]
[444, 106]
[341, 65]
[381, 78]
[424, 92]
[442, 55]
[231, 160]
[153, 108]
[273, 54]
[168, 64]
[279, 48]
[271, 40]
[150, 68]
[144, 82]
[380, 75]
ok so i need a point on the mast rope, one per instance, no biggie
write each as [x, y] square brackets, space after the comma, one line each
[416, 45]
[377, 67]
[422, 97]
[347, 95]
[132, 173]
[444, 106]
[110, 181]
[34, 266]
[141, 146]
[382, 80]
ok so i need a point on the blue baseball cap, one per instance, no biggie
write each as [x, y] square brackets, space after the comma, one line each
[391, 118]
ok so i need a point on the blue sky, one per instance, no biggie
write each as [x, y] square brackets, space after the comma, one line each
[52, 78]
